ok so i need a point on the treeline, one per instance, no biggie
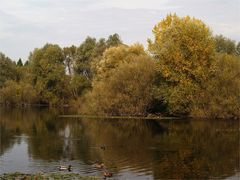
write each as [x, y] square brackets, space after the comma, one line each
[185, 71]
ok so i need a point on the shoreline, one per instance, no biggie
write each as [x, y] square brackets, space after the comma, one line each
[154, 116]
[46, 176]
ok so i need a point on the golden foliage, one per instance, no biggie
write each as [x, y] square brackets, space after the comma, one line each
[123, 84]
[184, 50]
[220, 95]
[183, 47]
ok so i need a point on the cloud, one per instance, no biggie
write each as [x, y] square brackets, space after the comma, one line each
[26, 24]
[140, 4]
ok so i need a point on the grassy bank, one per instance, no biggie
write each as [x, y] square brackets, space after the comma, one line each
[45, 176]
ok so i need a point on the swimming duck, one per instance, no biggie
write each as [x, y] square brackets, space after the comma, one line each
[103, 148]
[65, 168]
[99, 165]
[107, 174]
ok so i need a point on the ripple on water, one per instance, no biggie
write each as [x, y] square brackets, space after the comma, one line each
[134, 149]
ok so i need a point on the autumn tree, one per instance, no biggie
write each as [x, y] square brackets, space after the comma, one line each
[113, 57]
[18, 93]
[184, 50]
[220, 93]
[123, 82]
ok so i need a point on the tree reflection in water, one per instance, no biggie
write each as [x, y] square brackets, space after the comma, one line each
[176, 149]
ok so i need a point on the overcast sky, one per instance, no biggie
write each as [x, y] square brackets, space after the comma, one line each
[27, 24]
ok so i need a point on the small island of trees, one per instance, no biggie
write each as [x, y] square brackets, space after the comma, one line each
[185, 71]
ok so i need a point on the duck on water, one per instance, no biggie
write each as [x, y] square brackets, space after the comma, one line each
[65, 168]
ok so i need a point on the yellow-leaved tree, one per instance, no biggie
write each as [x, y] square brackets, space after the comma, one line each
[219, 96]
[123, 82]
[184, 50]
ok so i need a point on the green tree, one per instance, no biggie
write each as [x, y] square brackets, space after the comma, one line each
[184, 51]
[78, 85]
[225, 45]
[19, 63]
[84, 57]
[26, 63]
[238, 49]
[114, 40]
[92, 50]
[100, 47]
[48, 74]
[7, 69]
[87, 56]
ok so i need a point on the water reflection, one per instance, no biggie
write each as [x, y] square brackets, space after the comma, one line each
[34, 140]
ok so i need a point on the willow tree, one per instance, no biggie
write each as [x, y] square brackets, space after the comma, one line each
[184, 50]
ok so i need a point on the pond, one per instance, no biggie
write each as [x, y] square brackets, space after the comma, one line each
[37, 140]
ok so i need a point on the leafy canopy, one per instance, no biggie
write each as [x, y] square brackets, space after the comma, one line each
[184, 50]
[123, 82]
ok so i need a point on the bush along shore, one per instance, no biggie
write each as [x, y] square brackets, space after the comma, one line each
[185, 71]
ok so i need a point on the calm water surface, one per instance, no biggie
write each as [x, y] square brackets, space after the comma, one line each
[37, 140]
